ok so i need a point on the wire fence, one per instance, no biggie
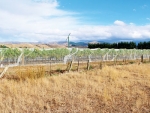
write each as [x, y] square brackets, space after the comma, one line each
[64, 55]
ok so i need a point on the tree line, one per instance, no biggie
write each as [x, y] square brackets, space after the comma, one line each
[3, 46]
[121, 45]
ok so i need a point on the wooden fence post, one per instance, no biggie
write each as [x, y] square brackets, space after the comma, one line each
[141, 58]
[100, 65]
[115, 61]
[50, 68]
[23, 59]
[70, 66]
[88, 65]
[67, 66]
[78, 65]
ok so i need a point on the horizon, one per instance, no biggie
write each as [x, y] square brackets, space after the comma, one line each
[53, 20]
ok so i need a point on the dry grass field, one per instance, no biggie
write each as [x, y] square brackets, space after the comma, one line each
[114, 89]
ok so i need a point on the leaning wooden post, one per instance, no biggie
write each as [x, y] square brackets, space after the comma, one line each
[141, 58]
[3, 72]
[67, 69]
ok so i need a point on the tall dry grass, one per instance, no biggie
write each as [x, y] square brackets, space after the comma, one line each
[116, 89]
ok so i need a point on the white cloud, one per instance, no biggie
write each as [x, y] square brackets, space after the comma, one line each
[144, 6]
[42, 20]
[119, 23]
[129, 31]
[22, 17]
[134, 9]
[131, 23]
[148, 18]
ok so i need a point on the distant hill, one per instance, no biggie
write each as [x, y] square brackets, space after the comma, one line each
[63, 44]
[31, 45]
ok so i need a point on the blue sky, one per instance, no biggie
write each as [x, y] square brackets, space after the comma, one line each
[53, 20]
[105, 12]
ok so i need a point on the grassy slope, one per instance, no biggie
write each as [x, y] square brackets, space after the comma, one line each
[113, 89]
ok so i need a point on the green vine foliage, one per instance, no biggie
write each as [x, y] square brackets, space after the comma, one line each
[58, 54]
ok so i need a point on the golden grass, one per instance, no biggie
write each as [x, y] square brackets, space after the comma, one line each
[116, 89]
